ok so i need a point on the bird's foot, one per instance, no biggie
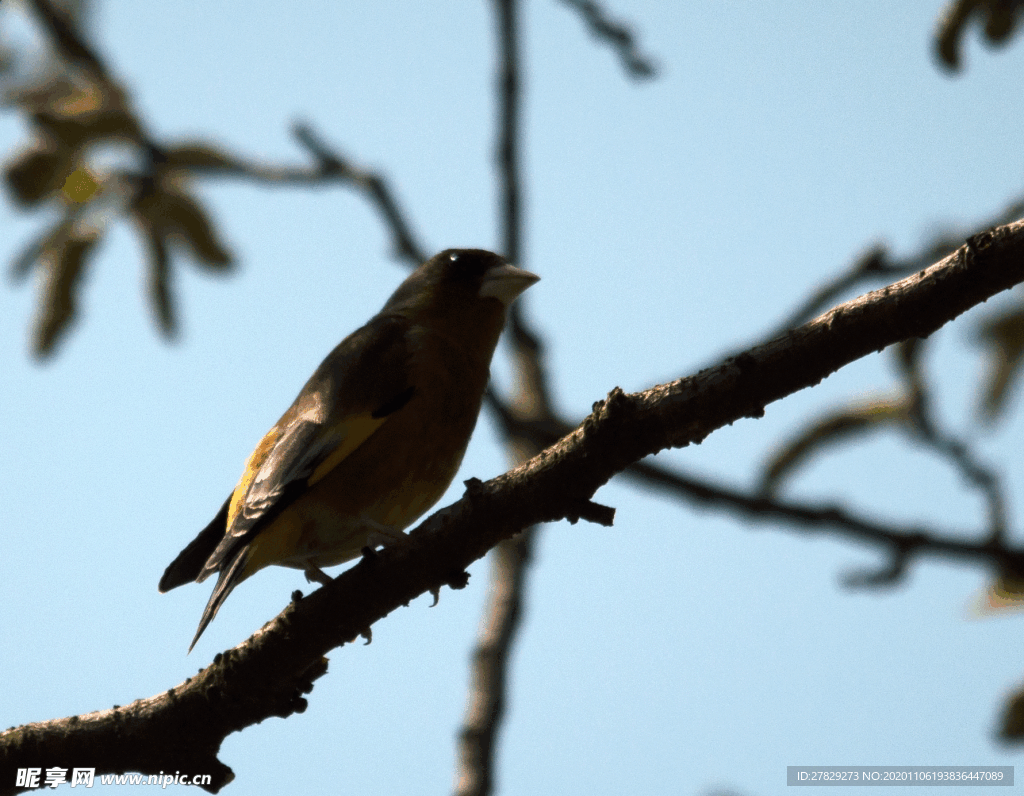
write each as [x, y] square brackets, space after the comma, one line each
[316, 575]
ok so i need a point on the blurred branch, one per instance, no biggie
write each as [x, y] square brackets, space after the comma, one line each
[616, 34]
[532, 403]
[959, 454]
[878, 264]
[872, 265]
[200, 159]
[999, 17]
[895, 539]
[489, 664]
[66, 39]
[269, 674]
[375, 187]
[508, 86]
[511, 558]
[910, 412]
[898, 540]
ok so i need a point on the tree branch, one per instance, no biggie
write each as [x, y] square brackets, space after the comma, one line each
[376, 188]
[894, 539]
[70, 45]
[619, 36]
[268, 674]
[909, 541]
[879, 264]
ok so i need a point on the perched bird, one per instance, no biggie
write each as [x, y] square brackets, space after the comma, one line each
[374, 438]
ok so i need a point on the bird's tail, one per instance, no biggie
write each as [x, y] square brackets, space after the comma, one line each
[188, 566]
[230, 576]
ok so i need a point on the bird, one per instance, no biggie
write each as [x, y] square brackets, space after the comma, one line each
[374, 438]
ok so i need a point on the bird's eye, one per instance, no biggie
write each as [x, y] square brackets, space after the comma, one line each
[453, 257]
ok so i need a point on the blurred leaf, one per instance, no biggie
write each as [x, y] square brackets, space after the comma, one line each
[63, 265]
[159, 283]
[1012, 725]
[37, 172]
[62, 21]
[1003, 338]
[951, 30]
[174, 215]
[79, 129]
[828, 430]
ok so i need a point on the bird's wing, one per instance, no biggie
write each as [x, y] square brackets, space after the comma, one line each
[353, 392]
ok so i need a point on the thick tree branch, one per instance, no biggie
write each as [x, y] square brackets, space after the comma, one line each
[268, 674]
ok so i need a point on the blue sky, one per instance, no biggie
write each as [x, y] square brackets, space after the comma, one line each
[672, 222]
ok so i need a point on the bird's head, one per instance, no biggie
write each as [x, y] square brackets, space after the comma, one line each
[462, 290]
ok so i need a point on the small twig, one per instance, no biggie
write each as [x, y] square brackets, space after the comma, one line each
[884, 577]
[871, 265]
[333, 166]
[616, 34]
[982, 477]
[926, 429]
[329, 166]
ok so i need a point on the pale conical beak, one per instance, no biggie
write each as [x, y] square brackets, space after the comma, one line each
[506, 282]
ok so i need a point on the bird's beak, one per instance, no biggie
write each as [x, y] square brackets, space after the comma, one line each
[506, 282]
